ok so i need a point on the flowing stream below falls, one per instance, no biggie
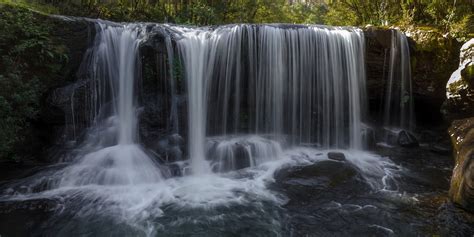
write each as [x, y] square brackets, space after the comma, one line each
[277, 144]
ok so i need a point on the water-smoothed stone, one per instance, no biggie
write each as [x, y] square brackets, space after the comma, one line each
[226, 157]
[175, 140]
[174, 153]
[406, 139]
[399, 137]
[310, 184]
[462, 182]
[234, 153]
[339, 156]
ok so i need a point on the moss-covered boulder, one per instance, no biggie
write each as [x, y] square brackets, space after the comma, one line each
[462, 181]
[460, 87]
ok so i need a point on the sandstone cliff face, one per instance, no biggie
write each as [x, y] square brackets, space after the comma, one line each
[460, 87]
[462, 181]
[460, 104]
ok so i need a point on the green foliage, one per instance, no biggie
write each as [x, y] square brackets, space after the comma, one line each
[29, 60]
[450, 16]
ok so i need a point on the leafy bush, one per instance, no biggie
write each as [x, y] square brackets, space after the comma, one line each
[29, 60]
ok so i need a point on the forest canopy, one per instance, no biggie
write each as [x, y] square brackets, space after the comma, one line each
[454, 16]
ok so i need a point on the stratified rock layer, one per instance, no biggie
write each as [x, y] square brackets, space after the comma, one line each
[462, 181]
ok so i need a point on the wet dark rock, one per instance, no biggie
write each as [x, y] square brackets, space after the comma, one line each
[406, 139]
[400, 138]
[462, 182]
[235, 157]
[174, 153]
[175, 140]
[306, 185]
[433, 58]
[174, 169]
[244, 161]
[428, 136]
[378, 43]
[339, 156]
[441, 148]
[73, 37]
[30, 213]
[369, 138]
[41, 204]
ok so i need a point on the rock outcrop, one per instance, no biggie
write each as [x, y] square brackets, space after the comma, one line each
[460, 87]
[462, 181]
[433, 57]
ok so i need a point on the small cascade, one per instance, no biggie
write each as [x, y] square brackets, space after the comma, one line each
[399, 105]
[233, 153]
[110, 154]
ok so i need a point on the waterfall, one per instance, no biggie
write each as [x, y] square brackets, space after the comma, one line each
[198, 53]
[263, 102]
[110, 154]
[305, 84]
[399, 107]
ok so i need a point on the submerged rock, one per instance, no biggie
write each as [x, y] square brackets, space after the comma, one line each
[339, 156]
[402, 138]
[462, 181]
[406, 139]
[234, 153]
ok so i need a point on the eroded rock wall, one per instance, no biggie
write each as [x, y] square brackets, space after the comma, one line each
[462, 181]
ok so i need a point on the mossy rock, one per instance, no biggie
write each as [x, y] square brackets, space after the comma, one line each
[467, 74]
[434, 57]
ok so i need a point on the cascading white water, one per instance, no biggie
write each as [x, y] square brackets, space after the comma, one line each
[399, 105]
[198, 54]
[237, 152]
[304, 82]
[110, 155]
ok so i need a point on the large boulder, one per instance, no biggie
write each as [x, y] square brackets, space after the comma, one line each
[462, 181]
[459, 89]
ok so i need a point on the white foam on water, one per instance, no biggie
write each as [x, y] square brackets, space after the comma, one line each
[141, 200]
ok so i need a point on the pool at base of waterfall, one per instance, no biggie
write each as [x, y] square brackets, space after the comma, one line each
[304, 192]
